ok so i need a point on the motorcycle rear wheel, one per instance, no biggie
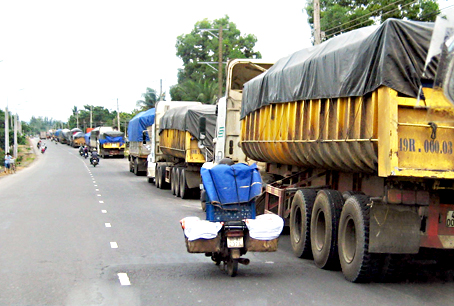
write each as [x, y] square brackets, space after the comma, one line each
[232, 267]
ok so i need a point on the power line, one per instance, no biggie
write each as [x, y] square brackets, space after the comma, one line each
[365, 15]
[386, 13]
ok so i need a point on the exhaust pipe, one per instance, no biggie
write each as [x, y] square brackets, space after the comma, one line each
[244, 261]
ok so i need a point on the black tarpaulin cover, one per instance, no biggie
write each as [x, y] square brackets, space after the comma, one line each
[352, 64]
[186, 118]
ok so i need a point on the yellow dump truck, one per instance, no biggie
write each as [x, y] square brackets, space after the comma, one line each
[360, 147]
[182, 156]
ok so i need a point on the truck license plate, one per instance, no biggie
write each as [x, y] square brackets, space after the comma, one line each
[236, 242]
[450, 219]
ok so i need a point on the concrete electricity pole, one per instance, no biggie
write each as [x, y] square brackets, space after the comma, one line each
[317, 22]
[118, 117]
[6, 130]
[220, 64]
[15, 136]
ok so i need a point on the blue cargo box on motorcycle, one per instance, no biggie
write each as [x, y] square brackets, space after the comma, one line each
[230, 212]
[231, 191]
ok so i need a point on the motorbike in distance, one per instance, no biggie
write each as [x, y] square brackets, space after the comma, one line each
[94, 161]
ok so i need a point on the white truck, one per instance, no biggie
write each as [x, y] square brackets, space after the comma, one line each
[166, 171]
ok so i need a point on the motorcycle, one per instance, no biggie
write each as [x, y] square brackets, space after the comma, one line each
[85, 155]
[81, 151]
[94, 161]
[231, 228]
[43, 149]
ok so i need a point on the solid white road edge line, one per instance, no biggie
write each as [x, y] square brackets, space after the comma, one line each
[124, 279]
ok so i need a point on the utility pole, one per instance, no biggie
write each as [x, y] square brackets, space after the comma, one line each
[15, 136]
[91, 117]
[77, 118]
[317, 22]
[118, 117]
[160, 90]
[220, 64]
[6, 130]
[219, 36]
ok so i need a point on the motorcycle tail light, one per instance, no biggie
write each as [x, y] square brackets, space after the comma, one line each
[234, 234]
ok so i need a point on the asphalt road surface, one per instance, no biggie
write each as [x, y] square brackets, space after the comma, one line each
[71, 234]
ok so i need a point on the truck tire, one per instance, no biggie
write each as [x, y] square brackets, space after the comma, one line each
[203, 200]
[300, 222]
[158, 177]
[355, 260]
[163, 184]
[173, 176]
[177, 181]
[131, 168]
[324, 228]
[136, 167]
[184, 190]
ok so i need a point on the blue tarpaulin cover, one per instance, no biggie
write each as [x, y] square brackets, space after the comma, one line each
[225, 184]
[140, 123]
[109, 139]
[57, 132]
[87, 138]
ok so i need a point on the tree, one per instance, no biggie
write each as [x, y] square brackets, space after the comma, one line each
[202, 46]
[340, 16]
[150, 99]
[201, 91]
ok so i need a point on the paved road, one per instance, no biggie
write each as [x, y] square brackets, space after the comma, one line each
[71, 234]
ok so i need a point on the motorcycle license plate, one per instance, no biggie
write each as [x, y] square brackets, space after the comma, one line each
[450, 219]
[235, 242]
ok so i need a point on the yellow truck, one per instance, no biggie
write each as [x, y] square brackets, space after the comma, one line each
[360, 148]
[182, 153]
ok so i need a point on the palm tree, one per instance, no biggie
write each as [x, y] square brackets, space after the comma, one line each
[205, 92]
[150, 99]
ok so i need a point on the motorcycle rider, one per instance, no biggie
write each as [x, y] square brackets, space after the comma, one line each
[94, 155]
[81, 150]
[85, 151]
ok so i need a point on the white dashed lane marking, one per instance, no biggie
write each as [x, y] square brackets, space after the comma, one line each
[107, 225]
[104, 211]
[102, 202]
[114, 245]
[124, 279]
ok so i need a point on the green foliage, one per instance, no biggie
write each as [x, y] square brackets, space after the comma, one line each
[202, 46]
[100, 116]
[202, 91]
[340, 16]
[150, 99]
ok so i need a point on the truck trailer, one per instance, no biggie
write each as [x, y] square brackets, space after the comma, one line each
[139, 142]
[182, 152]
[360, 149]
[107, 141]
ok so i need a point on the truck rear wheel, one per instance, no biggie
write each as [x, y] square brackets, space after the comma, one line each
[177, 181]
[324, 227]
[163, 184]
[300, 222]
[136, 167]
[354, 257]
[184, 190]
[173, 180]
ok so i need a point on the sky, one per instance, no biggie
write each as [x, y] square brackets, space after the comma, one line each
[57, 54]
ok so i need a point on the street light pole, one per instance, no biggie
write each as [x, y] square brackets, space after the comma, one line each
[220, 64]
[6, 130]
